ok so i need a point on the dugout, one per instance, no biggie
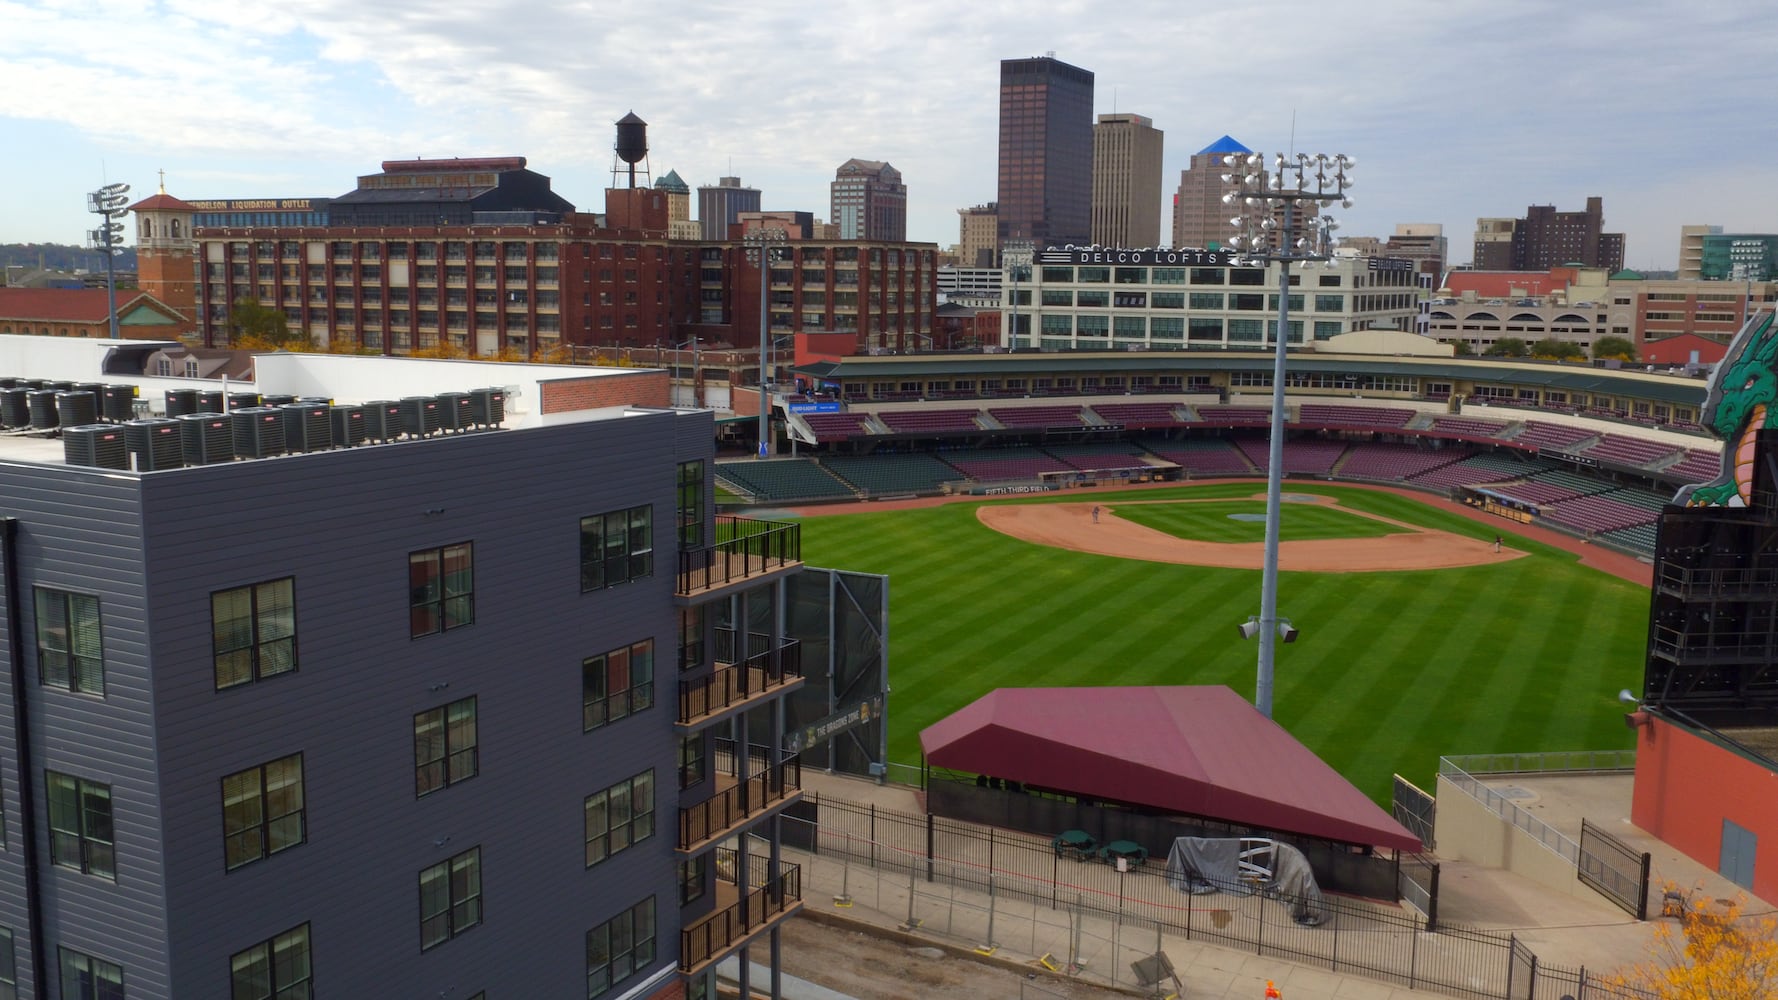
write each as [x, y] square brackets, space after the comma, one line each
[1150, 764]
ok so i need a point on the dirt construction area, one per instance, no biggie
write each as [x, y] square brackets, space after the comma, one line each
[1073, 526]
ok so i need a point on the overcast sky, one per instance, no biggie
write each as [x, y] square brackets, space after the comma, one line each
[1454, 109]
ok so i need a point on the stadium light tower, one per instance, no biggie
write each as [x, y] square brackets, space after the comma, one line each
[109, 203]
[764, 248]
[1280, 222]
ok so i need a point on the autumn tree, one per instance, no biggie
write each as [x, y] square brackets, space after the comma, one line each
[1713, 952]
[257, 327]
[1614, 347]
[1559, 350]
[1507, 347]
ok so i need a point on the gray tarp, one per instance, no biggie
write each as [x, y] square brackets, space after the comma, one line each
[1201, 865]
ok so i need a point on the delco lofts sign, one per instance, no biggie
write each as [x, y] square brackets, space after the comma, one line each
[1139, 258]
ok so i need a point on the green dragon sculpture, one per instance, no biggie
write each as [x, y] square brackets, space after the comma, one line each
[1743, 399]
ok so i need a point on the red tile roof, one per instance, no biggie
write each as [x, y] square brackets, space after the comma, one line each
[65, 305]
[1200, 750]
[163, 202]
[1501, 284]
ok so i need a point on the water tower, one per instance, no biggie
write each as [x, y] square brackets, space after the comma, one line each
[631, 147]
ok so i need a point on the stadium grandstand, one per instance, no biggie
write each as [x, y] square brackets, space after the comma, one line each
[1591, 451]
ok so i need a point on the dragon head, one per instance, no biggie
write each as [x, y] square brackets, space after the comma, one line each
[1747, 378]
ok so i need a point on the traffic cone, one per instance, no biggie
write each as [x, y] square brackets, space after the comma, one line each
[1272, 992]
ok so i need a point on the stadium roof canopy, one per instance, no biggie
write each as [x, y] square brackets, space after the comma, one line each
[1197, 750]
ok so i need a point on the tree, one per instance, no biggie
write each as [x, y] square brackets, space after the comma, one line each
[1508, 347]
[257, 327]
[1614, 347]
[1463, 348]
[1559, 350]
[1713, 953]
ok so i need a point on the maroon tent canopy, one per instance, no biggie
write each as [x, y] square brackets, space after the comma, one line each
[1200, 750]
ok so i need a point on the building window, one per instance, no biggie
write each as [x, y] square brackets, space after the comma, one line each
[450, 898]
[69, 653]
[273, 970]
[619, 947]
[87, 978]
[619, 816]
[9, 969]
[444, 746]
[441, 589]
[616, 547]
[691, 505]
[616, 684]
[694, 879]
[262, 811]
[80, 835]
[691, 760]
[253, 631]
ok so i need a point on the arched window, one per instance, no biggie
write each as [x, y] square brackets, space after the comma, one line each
[175, 228]
[147, 228]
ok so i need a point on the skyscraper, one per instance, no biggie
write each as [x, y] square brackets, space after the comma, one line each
[1046, 151]
[869, 201]
[1200, 219]
[1126, 181]
[719, 206]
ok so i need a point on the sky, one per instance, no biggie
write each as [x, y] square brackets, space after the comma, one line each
[1455, 110]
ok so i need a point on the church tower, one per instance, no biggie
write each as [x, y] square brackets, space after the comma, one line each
[166, 259]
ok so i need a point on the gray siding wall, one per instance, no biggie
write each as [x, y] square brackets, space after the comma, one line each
[342, 523]
[80, 531]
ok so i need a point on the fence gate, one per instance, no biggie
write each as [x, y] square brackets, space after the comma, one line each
[1612, 867]
[1414, 809]
[1521, 972]
[1417, 880]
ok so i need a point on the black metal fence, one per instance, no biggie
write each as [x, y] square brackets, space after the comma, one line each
[1418, 885]
[1376, 941]
[1336, 866]
[1414, 809]
[1611, 866]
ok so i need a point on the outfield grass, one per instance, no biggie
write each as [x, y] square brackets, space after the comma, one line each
[1211, 522]
[1392, 669]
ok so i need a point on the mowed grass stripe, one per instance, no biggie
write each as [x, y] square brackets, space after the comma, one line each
[1216, 521]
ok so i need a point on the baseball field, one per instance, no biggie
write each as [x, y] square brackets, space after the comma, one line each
[1522, 650]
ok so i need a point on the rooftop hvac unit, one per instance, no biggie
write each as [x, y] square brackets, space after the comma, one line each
[259, 431]
[118, 402]
[210, 401]
[77, 409]
[279, 400]
[30, 383]
[382, 420]
[453, 411]
[155, 444]
[59, 386]
[206, 438]
[96, 388]
[98, 445]
[15, 407]
[242, 400]
[8, 382]
[43, 409]
[307, 426]
[181, 401]
[419, 416]
[349, 429]
[488, 406]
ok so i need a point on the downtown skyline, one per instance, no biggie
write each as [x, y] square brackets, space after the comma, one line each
[1455, 112]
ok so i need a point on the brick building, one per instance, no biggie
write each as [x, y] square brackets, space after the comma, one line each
[1545, 238]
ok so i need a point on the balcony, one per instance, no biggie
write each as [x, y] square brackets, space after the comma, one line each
[743, 909]
[737, 802]
[740, 682]
[749, 553]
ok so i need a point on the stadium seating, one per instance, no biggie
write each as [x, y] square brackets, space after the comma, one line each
[1201, 457]
[1560, 437]
[1140, 415]
[1235, 416]
[1598, 513]
[1641, 537]
[1037, 416]
[1005, 463]
[1622, 449]
[782, 480]
[1700, 465]
[920, 421]
[1395, 462]
[1110, 456]
[1574, 482]
[837, 426]
[1646, 499]
[891, 475]
[1301, 458]
[1532, 492]
[1477, 470]
[1360, 417]
[1463, 427]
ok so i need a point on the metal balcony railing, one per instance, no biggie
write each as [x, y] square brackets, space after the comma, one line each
[745, 548]
[759, 899]
[761, 671]
[739, 798]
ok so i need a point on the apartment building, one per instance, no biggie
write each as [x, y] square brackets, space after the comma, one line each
[868, 201]
[464, 715]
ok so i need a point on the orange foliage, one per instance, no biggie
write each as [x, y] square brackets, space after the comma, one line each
[1713, 952]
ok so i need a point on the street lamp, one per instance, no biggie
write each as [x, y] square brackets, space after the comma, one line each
[1268, 225]
[764, 247]
[109, 204]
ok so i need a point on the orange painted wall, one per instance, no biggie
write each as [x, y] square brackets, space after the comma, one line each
[1686, 786]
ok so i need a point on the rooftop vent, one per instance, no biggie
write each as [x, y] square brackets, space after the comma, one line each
[155, 444]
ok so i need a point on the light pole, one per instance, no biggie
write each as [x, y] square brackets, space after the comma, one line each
[763, 248]
[109, 203]
[1268, 225]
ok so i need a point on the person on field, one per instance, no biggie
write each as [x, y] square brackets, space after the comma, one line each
[1095, 513]
[1497, 544]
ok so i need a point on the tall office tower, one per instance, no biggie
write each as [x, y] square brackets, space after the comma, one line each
[720, 206]
[679, 222]
[1200, 219]
[1046, 152]
[869, 201]
[977, 235]
[1423, 242]
[1494, 244]
[1126, 181]
[1691, 250]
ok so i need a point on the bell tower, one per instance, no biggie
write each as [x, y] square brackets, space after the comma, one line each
[166, 254]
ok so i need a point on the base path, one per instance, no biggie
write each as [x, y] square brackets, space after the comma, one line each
[1071, 526]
